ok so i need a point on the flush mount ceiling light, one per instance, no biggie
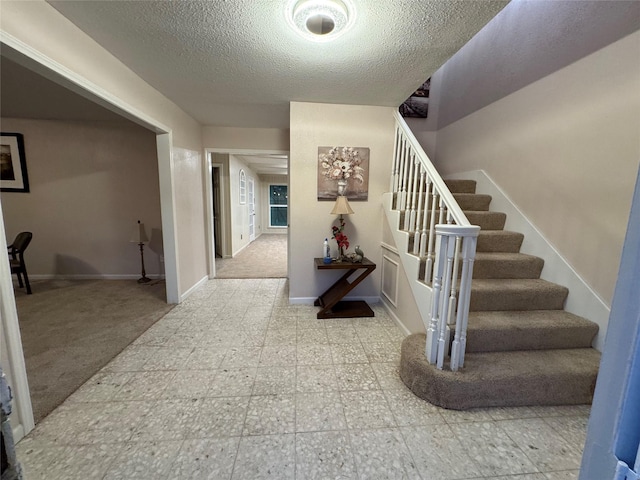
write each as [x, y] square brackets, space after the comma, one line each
[320, 20]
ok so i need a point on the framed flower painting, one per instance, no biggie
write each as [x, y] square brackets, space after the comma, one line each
[343, 171]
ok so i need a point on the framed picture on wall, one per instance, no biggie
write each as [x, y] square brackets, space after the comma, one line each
[343, 171]
[417, 105]
[13, 165]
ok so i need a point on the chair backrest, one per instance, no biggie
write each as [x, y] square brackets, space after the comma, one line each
[22, 241]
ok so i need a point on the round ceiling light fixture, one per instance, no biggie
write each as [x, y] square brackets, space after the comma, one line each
[320, 20]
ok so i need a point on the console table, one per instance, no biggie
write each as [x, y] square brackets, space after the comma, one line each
[331, 301]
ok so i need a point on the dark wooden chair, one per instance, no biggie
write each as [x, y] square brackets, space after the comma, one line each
[16, 258]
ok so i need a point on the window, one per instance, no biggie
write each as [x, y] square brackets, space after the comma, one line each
[278, 201]
[243, 187]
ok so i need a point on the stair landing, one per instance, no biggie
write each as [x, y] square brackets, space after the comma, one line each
[502, 379]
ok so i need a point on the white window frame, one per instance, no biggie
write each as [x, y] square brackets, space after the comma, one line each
[279, 206]
[243, 187]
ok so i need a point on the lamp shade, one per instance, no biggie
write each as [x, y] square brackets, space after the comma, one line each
[139, 234]
[342, 206]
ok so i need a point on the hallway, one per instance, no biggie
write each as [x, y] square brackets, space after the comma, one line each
[235, 383]
[265, 257]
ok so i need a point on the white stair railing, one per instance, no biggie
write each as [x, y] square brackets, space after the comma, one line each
[442, 238]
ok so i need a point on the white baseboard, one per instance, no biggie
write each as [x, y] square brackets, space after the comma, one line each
[582, 299]
[302, 300]
[17, 433]
[52, 276]
[395, 318]
[195, 287]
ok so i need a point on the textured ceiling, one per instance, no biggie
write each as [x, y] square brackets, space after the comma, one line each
[237, 62]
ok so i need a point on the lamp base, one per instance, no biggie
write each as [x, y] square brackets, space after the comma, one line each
[144, 280]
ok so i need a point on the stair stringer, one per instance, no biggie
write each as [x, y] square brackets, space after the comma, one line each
[582, 300]
[422, 293]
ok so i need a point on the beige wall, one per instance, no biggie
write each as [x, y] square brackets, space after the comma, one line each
[314, 125]
[566, 150]
[240, 212]
[89, 184]
[42, 32]
[245, 138]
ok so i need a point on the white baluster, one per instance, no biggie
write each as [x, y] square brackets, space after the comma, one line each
[454, 281]
[432, 235]
[414, 198]
[431, 349]
[416, 236]
[443, 209]
[396, 161]
[462, 318]
[425, 219]
[402, 194]
[443, 327]
[410, 193]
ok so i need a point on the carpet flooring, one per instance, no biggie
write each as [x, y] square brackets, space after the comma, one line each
[265, 257]
[71, 329]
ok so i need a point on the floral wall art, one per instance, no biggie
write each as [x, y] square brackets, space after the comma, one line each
[343, 170]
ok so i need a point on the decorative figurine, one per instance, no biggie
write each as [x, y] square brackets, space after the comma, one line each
[359, 255]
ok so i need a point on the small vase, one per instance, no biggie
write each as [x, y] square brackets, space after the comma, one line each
[342, 187]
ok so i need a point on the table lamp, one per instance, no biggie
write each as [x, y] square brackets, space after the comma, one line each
[139, 236]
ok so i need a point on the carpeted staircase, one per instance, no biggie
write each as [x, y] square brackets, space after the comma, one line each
[522, 347]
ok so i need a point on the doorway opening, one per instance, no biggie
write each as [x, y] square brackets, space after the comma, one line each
[239, 214]
[216, 174]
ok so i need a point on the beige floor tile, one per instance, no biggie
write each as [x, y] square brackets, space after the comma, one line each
[492, 449]
[270, 414]
[544, 446]
[438, 453]
[319, 411]
[265, 457]
[382, 454]
[324, 455]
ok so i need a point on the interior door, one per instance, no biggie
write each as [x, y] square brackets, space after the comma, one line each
[217, 226]
[251, 200]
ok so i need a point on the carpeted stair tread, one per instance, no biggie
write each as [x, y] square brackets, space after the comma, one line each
[506, 265]
[528, 330]
[486, 220]
[473, 201]
[521, 378]
[499, 241]
[516, 294]
[461, 186]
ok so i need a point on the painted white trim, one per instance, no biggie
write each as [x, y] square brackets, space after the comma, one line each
[243, 151]
[194, 288]
[99, 276]
[582, 299]
[209, 165]
[410, 263]
[76, 83]
[22, 53]
[233, 254]
[309, 300]
[168, 213]
[208, 192]
[17, 432]
[209, 224]
[394, 300]
[11, 329]
[390, 248]
[395, 318]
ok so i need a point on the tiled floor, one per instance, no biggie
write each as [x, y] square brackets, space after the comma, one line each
[235, 383]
